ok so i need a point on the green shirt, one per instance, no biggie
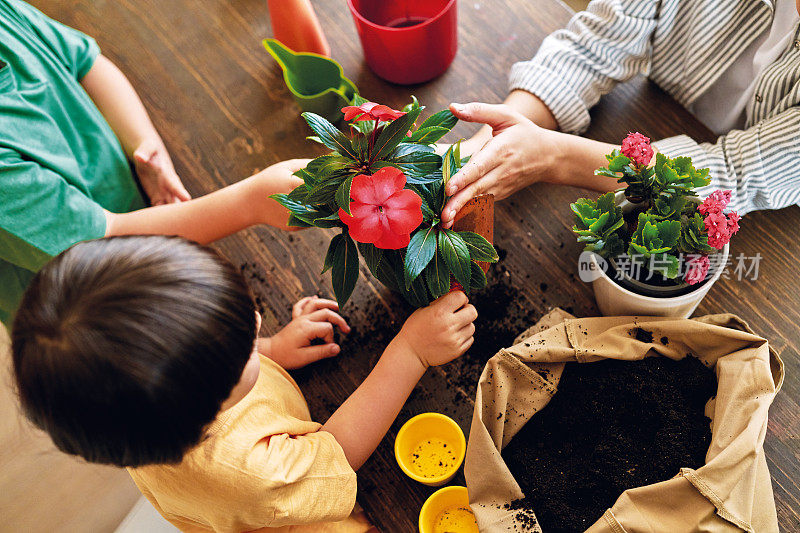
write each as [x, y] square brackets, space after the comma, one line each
[60, 162]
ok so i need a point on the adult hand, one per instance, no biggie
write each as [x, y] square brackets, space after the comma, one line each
[157, 175]
[313, 319]
[518, 154]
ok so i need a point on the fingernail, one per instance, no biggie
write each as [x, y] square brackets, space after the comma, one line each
[451, 213]
[458, 107]
[335, 349]
[450, 190]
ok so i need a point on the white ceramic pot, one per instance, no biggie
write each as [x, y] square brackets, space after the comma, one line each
[615, 300]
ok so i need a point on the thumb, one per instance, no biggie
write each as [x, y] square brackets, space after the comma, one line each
[497, 116]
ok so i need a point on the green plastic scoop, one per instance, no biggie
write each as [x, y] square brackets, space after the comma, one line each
[316, 82]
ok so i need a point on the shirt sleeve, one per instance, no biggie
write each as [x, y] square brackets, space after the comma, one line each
[317, 482]
[761, 164]
[608, 43]
[41, 214]
[76, 50]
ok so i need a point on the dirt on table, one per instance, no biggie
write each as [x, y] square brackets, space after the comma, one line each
[612, 425]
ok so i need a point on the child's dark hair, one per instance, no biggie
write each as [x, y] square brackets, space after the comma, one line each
[125, 348]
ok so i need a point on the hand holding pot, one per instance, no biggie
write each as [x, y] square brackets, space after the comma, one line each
[518, 154]
[441, 332]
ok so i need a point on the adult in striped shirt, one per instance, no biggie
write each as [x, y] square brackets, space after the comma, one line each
[734, 63]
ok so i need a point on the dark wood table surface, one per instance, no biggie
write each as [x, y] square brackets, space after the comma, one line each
[221, 105]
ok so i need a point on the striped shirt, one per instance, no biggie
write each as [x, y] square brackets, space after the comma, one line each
[683, 46]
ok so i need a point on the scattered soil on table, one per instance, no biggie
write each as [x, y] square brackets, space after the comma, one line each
[612, 425]
[642, 335]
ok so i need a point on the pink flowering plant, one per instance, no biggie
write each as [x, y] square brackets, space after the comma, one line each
[383, 187]
[667, 225]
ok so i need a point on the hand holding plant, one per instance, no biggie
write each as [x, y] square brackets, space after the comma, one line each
[440, 332]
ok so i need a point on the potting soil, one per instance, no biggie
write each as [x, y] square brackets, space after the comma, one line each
[612, 425]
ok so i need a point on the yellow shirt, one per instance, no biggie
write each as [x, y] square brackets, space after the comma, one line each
[265, 464]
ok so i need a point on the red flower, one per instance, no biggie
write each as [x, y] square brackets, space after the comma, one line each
[697, 268]
[718, 232]
[733, 222]
[383, 212]
[715, 202]
[370, 111]
[636, 147]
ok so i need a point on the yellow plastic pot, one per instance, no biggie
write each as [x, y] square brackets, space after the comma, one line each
[430, 448]
[447, 510]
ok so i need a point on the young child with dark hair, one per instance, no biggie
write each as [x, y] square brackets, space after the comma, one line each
[143, 352]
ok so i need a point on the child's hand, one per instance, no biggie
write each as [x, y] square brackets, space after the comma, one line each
[439, 333]
[157, 175]
[312, 318]
[279, 178]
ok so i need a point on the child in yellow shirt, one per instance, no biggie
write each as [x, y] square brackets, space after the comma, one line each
[142, 352]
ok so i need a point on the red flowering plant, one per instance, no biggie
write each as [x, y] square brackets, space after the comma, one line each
[383, 186]
[668, 226]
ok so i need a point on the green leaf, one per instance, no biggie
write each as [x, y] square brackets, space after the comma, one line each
[669, 231]
[329, 135]
[298, 223]
[437, 276]
[456, 255]
[329, 221]
[618, 163]
[392, 134]
[479, 248]
[343, 195]
[413, 105]
[358, 100]
[419, 253]
[443, 119]
[324, 193]
[478, 278]
[330, 255]
[344, 268]
[427, 135]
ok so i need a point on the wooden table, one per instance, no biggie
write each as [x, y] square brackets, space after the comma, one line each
[221, 105]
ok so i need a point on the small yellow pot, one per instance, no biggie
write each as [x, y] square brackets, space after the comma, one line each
[447, 510]
[430, 448]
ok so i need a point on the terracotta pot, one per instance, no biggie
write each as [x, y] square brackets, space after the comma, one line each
[477, 216]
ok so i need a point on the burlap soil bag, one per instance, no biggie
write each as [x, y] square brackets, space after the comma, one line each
[731, 492]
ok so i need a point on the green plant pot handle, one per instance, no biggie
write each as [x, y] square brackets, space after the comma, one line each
[317, 83]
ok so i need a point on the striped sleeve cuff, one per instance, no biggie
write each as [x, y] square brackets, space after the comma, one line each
[704, 156]
[567, 107]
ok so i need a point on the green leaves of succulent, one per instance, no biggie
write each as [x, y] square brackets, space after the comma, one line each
[654, 241]
[693, 238]
[599, 224]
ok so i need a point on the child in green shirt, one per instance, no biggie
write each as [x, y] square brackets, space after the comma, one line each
[71, 125]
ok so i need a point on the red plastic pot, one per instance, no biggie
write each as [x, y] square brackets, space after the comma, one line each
[407, 41]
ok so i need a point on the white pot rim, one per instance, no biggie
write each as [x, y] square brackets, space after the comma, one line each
[684, 298]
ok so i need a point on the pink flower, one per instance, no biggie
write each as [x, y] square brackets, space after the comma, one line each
[383, 212]
[718, 232]
[715, 202]
[733, 222]
[636, 147]
[697, 268]
[370, 111]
